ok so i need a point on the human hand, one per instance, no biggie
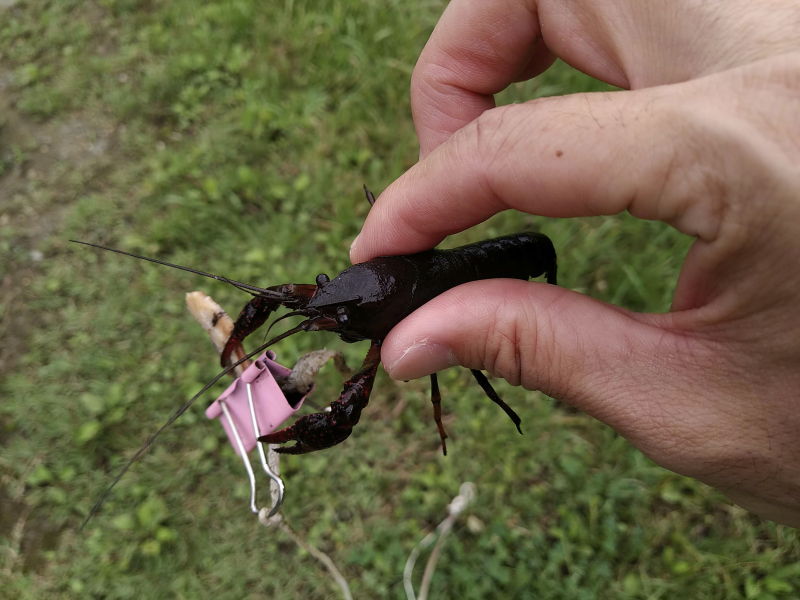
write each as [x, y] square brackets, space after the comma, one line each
[707, 140]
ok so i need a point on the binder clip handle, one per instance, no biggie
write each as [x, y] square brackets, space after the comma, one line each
[253, 406]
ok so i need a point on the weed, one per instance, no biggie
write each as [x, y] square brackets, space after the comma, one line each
[242, 132]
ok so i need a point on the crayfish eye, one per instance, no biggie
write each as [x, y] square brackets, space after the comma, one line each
[322, 279]
[342, 315]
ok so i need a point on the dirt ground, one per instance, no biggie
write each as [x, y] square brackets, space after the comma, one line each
[44, 167]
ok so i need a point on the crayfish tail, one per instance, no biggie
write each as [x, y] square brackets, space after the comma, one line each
[551, 275]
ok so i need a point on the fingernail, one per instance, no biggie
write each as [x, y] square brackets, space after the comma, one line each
[420, 359]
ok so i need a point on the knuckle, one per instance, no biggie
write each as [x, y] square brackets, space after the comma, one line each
[432, 92]
[511, 347]
[687, 184]
[487, 143]
[491, 136]
[501, 352]
[719, 142]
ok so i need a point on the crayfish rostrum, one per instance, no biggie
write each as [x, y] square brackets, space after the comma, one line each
[364, 302]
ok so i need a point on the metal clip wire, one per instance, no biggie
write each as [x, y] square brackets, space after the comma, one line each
[276, 480]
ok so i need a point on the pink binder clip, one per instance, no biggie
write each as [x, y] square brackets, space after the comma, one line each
[252, 406]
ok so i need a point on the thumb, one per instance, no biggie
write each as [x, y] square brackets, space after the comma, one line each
[551, 339]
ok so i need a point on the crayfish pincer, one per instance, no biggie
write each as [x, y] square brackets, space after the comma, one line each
[364, 302]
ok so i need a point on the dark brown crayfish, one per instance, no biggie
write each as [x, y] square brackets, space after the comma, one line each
[364, 302]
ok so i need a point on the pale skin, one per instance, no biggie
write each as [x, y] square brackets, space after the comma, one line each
[706, 137]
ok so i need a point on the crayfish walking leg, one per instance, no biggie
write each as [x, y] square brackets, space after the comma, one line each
[326, 429]
[436, 401]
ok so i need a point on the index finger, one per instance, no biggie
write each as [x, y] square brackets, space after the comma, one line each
[476, 50]
[579, 155]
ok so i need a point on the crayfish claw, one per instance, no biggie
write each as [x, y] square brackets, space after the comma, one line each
[311, 432]
[298, 448]
[295, 449]
[325, 429]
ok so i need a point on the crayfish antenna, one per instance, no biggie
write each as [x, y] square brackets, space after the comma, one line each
[246, 287]
[294, 313]
[315, 324]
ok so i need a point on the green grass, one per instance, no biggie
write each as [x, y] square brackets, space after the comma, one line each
[235, 136]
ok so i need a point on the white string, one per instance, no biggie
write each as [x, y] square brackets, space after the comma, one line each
[466, 494]
[277, 520]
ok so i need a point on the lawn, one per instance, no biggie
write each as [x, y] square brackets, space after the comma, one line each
[235, 137]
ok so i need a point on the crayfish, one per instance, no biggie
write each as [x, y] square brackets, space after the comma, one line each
[364, 302]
